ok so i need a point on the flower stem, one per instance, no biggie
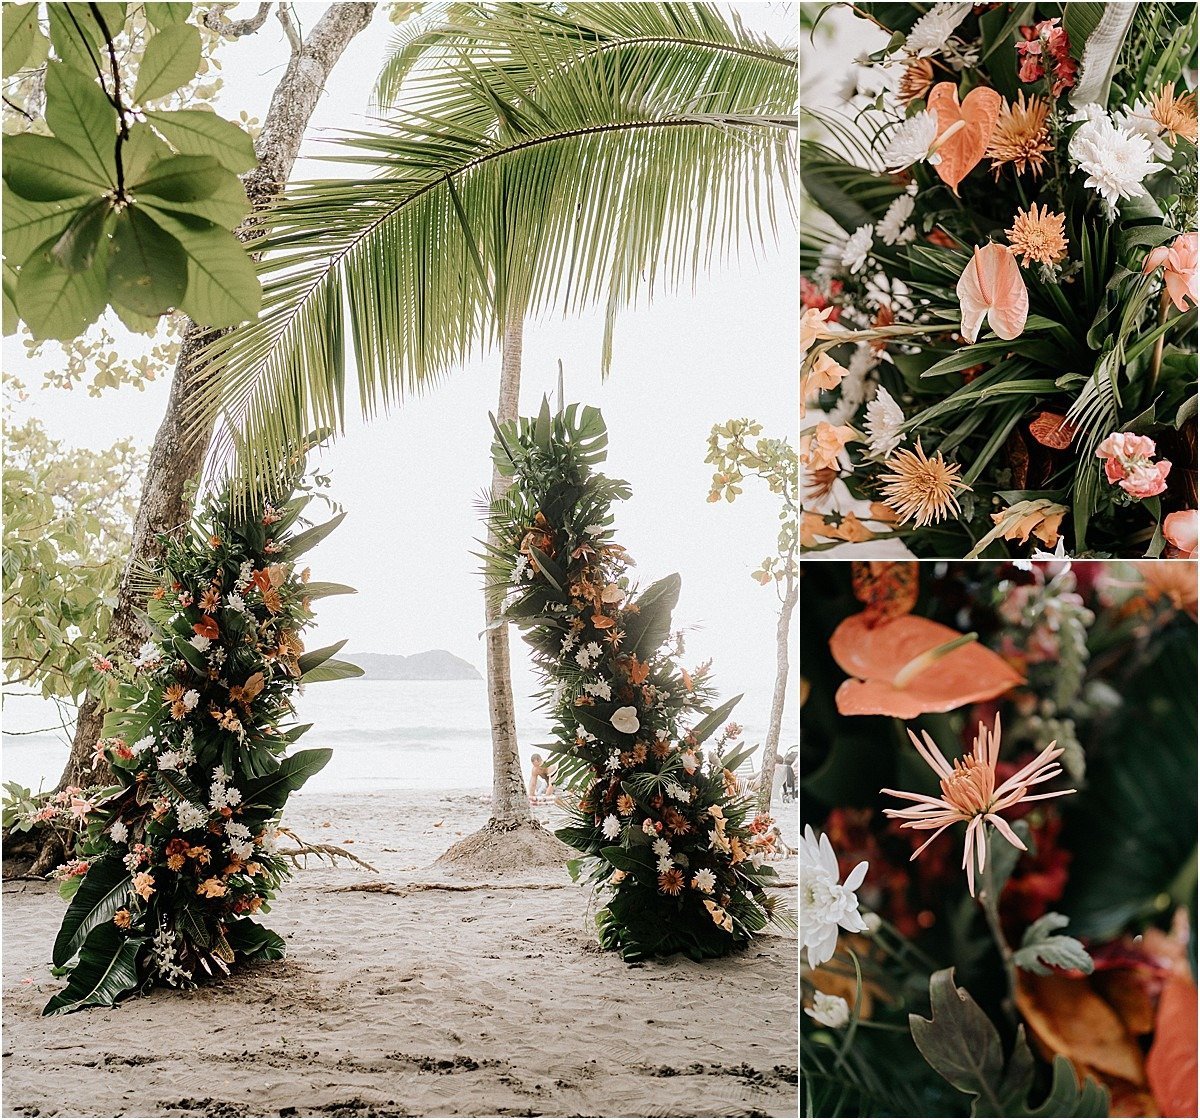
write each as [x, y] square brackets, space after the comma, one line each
[989, 899]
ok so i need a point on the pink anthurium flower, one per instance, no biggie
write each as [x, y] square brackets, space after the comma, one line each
[1178, 260]
[991, 285]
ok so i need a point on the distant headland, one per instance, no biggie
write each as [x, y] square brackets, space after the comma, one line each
[432, 665]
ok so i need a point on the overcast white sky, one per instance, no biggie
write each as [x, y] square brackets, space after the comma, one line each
[410, 480]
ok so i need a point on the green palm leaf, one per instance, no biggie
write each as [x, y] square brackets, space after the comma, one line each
[553, 160]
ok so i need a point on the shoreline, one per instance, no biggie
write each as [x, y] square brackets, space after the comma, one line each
[472, 999]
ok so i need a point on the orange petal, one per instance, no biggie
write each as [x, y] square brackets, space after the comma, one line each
[1171, 1064]
[977, 116]
[991, 285]
[966, 675]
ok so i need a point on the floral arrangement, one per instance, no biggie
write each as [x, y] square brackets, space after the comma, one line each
[998, 861]
[999, 284]
[668, 831]
[174, 863]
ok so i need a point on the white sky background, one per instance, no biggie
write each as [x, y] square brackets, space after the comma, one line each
[410, 480]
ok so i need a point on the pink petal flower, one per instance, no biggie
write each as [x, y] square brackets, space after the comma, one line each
[991, 285]
[1180, 530]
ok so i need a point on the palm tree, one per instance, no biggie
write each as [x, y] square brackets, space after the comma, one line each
[549, 158]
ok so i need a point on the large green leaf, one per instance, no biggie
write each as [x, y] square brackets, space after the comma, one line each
[43, 169]
[310, 538]
[104, 890]
[196, 185]
[319, 590]
[167, 13]
[714, 719]
[254, 942]
[331, 670]
[171, 60]
[273, 789]
[76, 249]
[649, 628]
[222, 286]
[198, 132]
[147, 267]
[961, 1043]
[28, 224]
[81, 117]
[1142, 783]
[309, 661]
[56, 303]
[20, 31]
[106, 971]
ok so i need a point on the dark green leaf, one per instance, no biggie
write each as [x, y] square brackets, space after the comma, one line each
[273, 789]
[81, 117]
[196, 185]
[254, 942]
[147, 267]
[317, 657]
[43, 169]
[713, 720]
[75, 250]
[310, 538]
[104, 890]
[55, 303]
[331, 670]
[171, 60]
[1042, 950]
[198, 132]
[318, 590]
[106, 971]
[20, 31]
[222, 286]
[28, 224]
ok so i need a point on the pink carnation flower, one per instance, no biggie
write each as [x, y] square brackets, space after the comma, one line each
[1127, 462]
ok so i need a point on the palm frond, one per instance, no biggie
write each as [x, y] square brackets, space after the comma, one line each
[556, 160]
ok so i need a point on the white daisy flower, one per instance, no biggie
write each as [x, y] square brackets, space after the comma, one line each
[147, 655]
[1139, 122]
[824, 903]
[119, 832]
[911, 142]
[893, 227]
[1114, 160]
[611, 827]
[858, 248]
[931, 32]
[199, 642]
[661, 848]
[189, 816]
[829, 1011]
[665, 865]
[884, 424]
[234, 602]
[190, 699]
[704, 880]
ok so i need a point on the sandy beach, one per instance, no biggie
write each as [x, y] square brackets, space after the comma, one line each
[482, 999]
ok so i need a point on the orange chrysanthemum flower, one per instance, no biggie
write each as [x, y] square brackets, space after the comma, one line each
[921, 487]
[1021, 136]
[671, 882]
[1038, 237]
[970, 794]
[1176, 116]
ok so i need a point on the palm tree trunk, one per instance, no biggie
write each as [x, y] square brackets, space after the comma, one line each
[177, 455]
[510, 805]
[783, 637]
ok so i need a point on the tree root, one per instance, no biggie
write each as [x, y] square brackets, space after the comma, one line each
[330, 852]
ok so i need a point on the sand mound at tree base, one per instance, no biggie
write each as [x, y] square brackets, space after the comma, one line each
[499, 849]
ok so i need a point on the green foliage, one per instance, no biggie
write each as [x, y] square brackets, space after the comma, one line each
[177, 858]
[666, 128]
[961, 1043]
[774, 461]
[68, 514]
[669, 836]
[1042, 950]
[90, 188]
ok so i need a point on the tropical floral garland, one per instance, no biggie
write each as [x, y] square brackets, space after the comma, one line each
[174, 863]
[1034, 169]
[669, 832]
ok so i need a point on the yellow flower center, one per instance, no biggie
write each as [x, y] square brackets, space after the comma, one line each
[969, 789]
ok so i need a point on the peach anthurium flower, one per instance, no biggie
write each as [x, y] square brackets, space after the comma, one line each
[964, 130]
[970, 794]
[1180, 530]
[991, 285]
[910, 665]
[1178, 260]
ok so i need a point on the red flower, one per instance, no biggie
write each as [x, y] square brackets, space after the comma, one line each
[207, 627]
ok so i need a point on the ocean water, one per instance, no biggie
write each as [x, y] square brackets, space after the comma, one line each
[385, 735]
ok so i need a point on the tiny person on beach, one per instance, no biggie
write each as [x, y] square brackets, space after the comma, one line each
[540, 771]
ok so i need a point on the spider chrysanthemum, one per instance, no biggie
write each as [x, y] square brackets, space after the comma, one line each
[1039, 238]
[970, 794]
[1176, 115]
[1021, 136]
[922, 488]
[916, 80]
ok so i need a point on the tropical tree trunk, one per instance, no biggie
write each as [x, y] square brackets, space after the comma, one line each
[177, 454]
[510, 805]
[783, 637]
